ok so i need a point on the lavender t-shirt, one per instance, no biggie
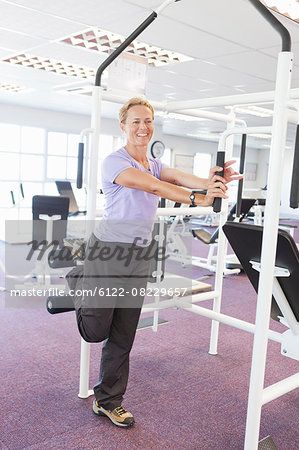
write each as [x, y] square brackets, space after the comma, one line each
[129, 213]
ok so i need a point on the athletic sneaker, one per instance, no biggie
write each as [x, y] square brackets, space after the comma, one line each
[119, 416]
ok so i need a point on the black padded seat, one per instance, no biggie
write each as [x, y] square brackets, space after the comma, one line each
[246, 241]
[211, 238]
[202, 234]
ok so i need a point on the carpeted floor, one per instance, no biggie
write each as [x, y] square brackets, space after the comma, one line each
[181, 397]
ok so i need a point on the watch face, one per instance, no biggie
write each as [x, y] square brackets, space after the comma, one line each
[157, 149]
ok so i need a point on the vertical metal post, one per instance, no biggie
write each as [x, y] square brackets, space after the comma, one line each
[90, 221]
[269, 243]
[222, 248]
[159, 272]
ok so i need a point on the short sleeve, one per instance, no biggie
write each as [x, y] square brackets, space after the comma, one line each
[113, 165]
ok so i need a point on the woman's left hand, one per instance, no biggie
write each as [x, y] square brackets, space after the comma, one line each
[229, 173]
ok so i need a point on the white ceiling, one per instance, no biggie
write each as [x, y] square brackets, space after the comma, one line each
[234, 51]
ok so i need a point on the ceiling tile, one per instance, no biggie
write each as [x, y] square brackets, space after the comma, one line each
[34, 23]
[89, 12]
[18, 41]
[250, 63]
[213, 72]
[188, 40]
[233, 20]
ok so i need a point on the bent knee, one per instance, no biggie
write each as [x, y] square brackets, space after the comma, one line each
[92, 327]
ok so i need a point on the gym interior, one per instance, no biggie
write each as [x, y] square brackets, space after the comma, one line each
[215, 359]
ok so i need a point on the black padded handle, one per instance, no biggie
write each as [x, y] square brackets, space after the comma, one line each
[241, 170]
[294, 197]
[56, 305]
[219, 162]
[80, 164]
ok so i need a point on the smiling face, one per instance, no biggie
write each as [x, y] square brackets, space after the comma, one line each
[138, 126]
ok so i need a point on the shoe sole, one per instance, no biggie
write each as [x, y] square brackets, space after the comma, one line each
[98, 412]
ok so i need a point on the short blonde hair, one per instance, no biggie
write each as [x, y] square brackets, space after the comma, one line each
[135, 101]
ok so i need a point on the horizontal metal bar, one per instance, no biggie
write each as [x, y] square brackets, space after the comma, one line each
[228, 320]
[280, 388]
[242, 130]
[176, 302]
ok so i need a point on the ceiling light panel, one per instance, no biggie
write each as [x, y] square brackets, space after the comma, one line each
[104, 42]
[13, 88]
[288, 8]
[51, 65]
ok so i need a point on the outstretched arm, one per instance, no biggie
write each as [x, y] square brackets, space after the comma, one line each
[136, 179]
[188, 180]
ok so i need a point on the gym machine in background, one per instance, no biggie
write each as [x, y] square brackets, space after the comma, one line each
[282, 115]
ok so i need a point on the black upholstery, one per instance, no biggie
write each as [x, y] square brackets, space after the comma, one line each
[210, 238]
[50, 205]
[246, 241]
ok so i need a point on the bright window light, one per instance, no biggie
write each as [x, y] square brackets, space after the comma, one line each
[31, 167]
[10, 137]
[166, 158]
[32, 140]
[57, 143]
[202, 164]
[9, 166]
[56, 168]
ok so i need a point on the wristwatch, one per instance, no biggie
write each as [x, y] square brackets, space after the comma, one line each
[192, 198]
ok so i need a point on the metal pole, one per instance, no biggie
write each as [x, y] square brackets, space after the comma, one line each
[221, 250]
[259, 354]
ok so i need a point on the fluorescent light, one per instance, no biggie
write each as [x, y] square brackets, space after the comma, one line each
[252, 110]
[287, 147]
[184, 117]
[209, 62]
[51, 65]
[261, 136]
[178, 116]
[14, 88]
[208, 136]
[105, 41]
[289, 8]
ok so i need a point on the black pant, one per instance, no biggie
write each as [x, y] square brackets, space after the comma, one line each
[114, 283]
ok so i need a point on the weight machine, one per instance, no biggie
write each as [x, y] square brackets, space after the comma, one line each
[282, 115]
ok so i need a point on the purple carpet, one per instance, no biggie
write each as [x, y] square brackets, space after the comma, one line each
[181, 397]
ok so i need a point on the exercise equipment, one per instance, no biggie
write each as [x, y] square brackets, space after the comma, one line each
[246, 241]
[211, 239]
[281, 117]
[219, 162]
[49, 227]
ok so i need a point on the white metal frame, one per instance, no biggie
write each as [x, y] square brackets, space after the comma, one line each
[258, 396]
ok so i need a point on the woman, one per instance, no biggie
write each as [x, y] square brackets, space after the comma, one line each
[116, 268]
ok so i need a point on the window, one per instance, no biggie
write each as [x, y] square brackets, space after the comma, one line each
[202, 164]
[166, 158]
[32, 140]
[233, 185]
[35, 158]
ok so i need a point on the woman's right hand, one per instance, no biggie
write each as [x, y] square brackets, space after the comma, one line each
[215, 189]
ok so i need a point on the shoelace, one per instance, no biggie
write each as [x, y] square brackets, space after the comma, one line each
[120, 410]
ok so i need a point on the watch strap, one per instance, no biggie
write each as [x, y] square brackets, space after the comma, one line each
[192, 197]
